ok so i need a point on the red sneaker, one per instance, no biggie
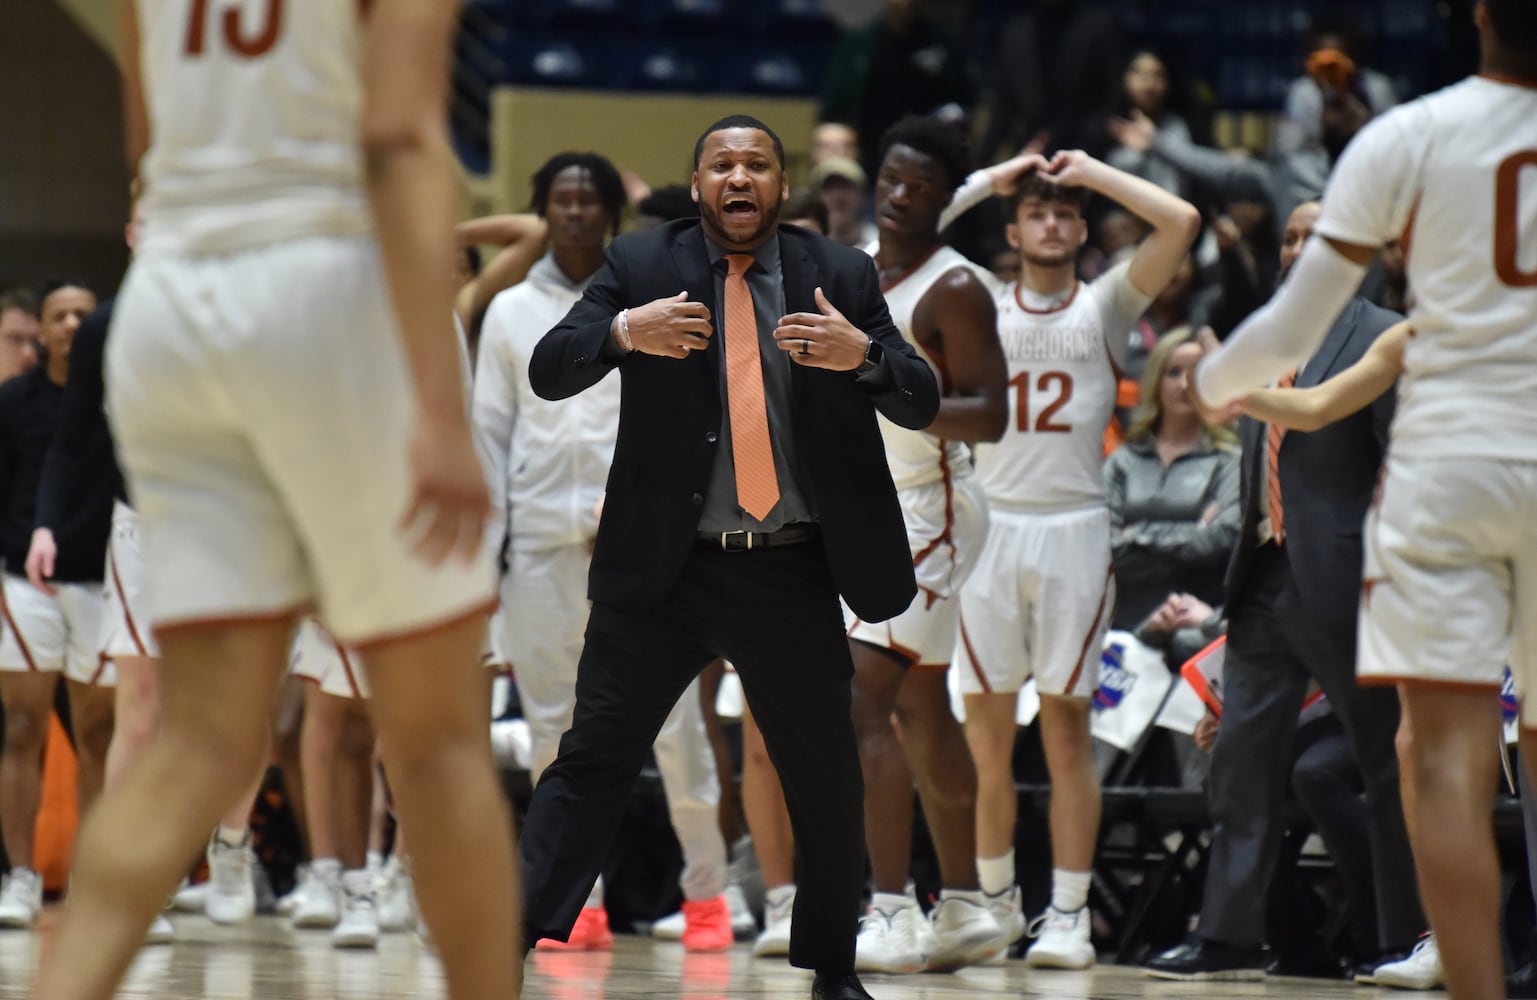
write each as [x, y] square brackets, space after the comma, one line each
[590, 933]
[706, 924]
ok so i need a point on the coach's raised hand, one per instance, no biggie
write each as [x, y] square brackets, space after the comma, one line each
[670, 328]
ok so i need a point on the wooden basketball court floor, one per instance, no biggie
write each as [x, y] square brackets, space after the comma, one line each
[267, 959]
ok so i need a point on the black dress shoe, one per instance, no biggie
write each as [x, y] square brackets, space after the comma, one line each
[1308, 965]
[839, 986]
[1522, 983]
[1200, 959]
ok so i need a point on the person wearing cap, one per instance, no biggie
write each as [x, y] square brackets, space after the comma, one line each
[843, 187]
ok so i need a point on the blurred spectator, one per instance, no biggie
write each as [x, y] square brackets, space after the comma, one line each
[904, 63]
[18, 332]
[1145, 96]
[1172, 490]
[1056, 69]
[805, 209]
[841, 184]
[831, 139]
[1182, 626]
[1325, 108]
[1333, 61]
[664, 204]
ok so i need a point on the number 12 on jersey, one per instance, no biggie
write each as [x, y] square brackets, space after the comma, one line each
[249, 44]
[1045, 423]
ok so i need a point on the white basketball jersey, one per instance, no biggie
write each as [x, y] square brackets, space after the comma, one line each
[1454, 176]
[254, 110]
[917, 457]
[1062, 389]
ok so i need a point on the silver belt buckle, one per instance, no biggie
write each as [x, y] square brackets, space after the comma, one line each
[726, 534]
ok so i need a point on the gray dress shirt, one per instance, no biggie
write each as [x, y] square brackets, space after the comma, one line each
[765, 280]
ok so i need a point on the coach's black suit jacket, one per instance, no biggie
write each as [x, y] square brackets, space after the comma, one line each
[670, 419]
[1292, 620]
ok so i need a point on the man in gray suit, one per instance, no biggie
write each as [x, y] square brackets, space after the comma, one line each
[1293, 589]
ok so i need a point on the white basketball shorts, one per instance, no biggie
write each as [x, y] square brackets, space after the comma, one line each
[124, 626]
[59, 633]
[1038, 604]
[263, 408]
[947, 526]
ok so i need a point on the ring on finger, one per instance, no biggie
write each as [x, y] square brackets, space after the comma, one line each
[805, 347]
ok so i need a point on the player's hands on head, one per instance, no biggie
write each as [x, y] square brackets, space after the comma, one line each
[824, 339]
[1071, 168]
[40, 560]
[1005, 176]
[450, 504]
[670, 328]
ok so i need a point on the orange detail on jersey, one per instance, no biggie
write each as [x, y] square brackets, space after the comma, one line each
[1507, 220]
[236, 40]
[1042, 312]
[1043, 423]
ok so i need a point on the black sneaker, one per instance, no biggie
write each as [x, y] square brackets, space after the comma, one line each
[1522, 984]
[1200, 959]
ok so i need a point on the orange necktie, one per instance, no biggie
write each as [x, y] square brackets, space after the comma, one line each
[1272, 457]
[757, 485]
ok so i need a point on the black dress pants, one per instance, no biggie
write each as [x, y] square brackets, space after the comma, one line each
[774, 613]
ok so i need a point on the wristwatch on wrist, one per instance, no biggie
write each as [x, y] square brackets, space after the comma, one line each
[874, 353]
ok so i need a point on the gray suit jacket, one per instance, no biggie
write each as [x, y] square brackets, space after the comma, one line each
[1327, 480]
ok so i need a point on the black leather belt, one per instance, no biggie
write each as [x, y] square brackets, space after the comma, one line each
[748, 541]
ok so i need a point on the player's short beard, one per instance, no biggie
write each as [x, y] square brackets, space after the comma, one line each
[1063, 259]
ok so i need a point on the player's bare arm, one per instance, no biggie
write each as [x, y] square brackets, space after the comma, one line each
[523, 239]
[956, 323]
[135, 113]
[1175, 221]
[1353, 389]
[411, 186]
[1290, 326]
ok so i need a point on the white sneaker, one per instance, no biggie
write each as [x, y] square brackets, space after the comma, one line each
[191, 898]
[744, 927]
[160, 931]
[231, 892]
[774, 942]
[21, 898]
[1061, 940]
[965, 931]
[894, 939]
[1008, 910]
[359, 923]
[320, 906]
[396, 895]
[1420, 971]
[669, 928]
[287, 903]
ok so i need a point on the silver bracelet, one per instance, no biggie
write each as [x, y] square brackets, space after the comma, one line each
[622, 331]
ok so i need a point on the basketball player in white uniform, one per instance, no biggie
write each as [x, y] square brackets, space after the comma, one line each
[259, 357]
[942, 303]
[548, 463]
[1040, 600]
[1451, 548]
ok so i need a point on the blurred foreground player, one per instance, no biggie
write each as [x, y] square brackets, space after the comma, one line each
[235, 422]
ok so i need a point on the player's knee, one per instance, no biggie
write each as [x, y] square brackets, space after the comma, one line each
[25, 729]
[95, 737]
[357, 735]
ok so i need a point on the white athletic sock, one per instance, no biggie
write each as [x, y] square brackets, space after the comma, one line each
[232, 836]
[996, 874]
[595, 897]
[1069, 890]
[779, 895]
